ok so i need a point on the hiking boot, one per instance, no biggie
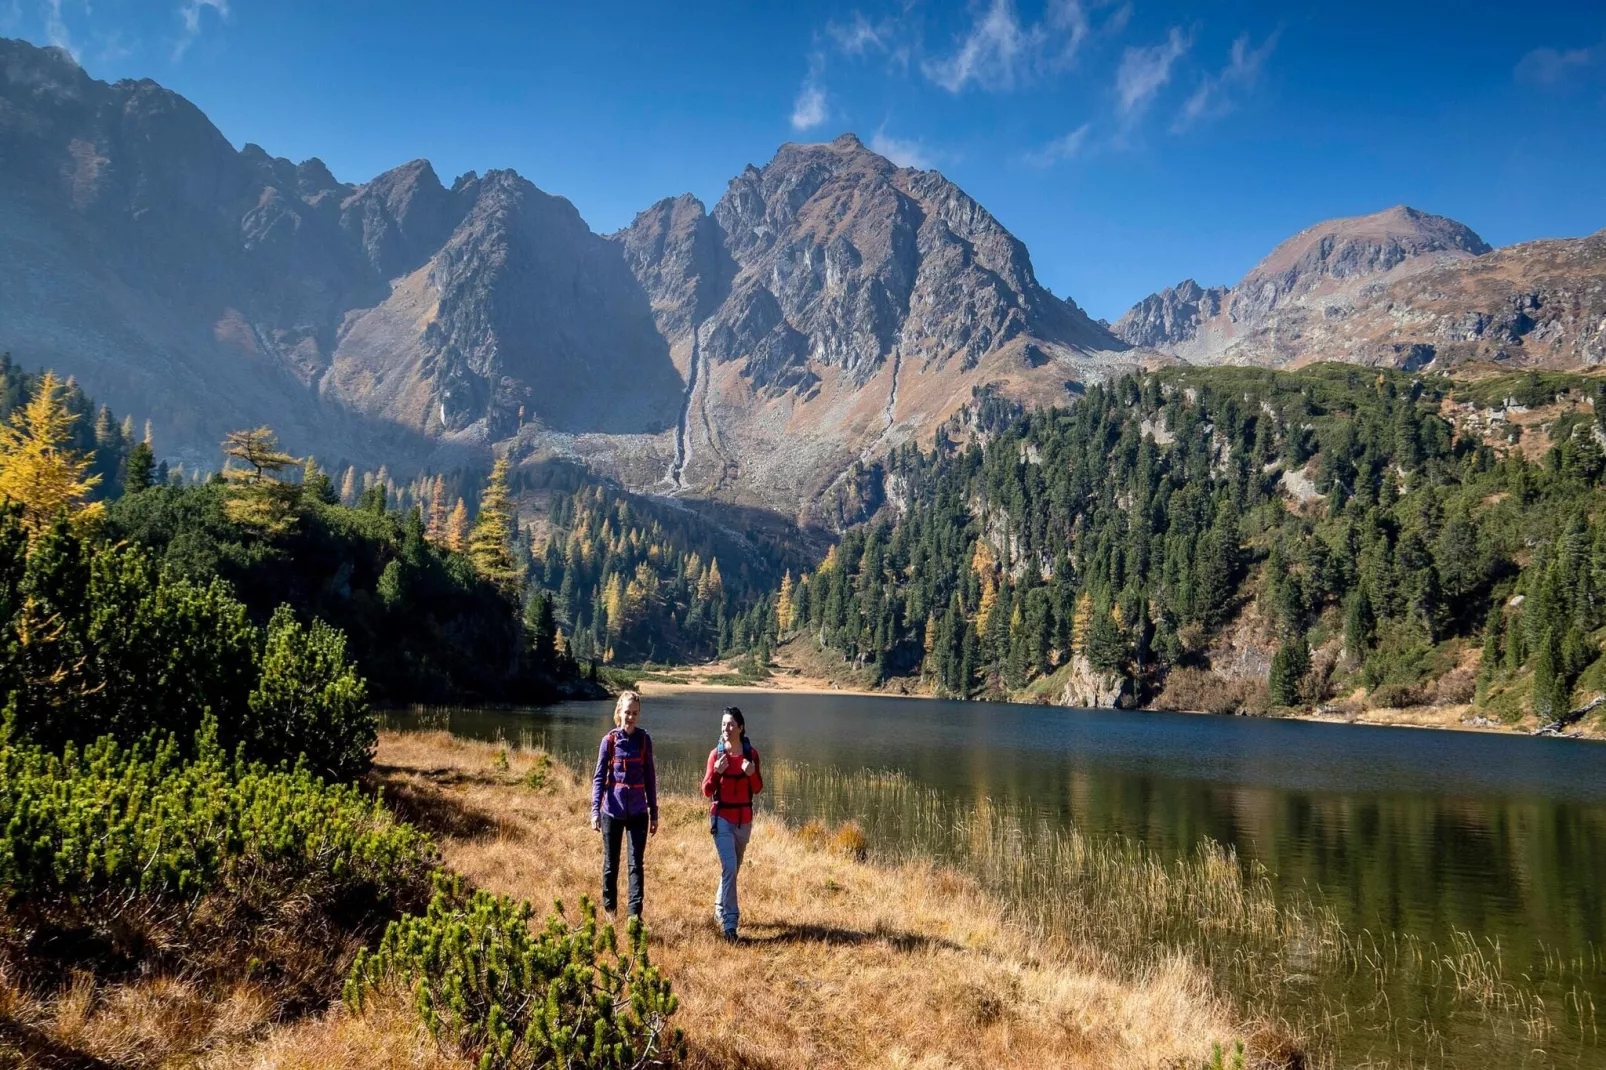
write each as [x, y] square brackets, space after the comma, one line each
[730, 936]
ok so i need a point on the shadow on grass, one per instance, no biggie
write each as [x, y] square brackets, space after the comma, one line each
[36, 1049]
[432, 811]
[762, 935]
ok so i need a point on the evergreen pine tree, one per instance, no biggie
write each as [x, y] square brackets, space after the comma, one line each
[1289, 667]
[141, 469]
[1549, 685]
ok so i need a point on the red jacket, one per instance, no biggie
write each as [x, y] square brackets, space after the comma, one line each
[733, 790]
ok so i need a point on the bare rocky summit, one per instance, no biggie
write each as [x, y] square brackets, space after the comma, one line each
[833, 305]
[1400, 288]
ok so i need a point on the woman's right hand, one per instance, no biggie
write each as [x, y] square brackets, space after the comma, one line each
[722, 762]
[596, 823]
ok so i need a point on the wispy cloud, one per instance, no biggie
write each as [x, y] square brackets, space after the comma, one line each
[56, 28]
[861, 35]
[1554, 68]
[1145, 71]
[904, 153]
[189, 13]
[809, 110]
[1061, 148]
[999, 51]
[1216, 95]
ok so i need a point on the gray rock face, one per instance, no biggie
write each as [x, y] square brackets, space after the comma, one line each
[1344, 249]
[678, 253]
[839, 257]
[1170, 316]
[1400, 288]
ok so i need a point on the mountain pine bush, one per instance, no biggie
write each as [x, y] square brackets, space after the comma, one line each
[512, 997]
[113, 824]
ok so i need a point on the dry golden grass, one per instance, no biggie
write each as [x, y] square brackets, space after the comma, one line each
[842, 963]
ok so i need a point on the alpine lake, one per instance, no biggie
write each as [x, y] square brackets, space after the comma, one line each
[1394, 897]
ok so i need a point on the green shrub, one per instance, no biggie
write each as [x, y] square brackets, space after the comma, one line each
[539, 773]
[129, 825]
[483, 981]
[97, 640]
[310, 701]
[1219, 1060]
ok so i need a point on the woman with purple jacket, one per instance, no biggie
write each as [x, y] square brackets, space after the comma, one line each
[624, 800]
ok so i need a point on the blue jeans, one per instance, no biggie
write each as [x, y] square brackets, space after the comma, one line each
[730, 840]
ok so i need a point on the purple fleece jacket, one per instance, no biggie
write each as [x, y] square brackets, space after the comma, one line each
[625, 783]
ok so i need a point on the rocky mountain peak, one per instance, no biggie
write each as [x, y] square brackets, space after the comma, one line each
[678, 253]
[1170, 316]
[1341, 249]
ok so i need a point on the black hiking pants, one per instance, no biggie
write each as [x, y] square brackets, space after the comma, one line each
[614, 831]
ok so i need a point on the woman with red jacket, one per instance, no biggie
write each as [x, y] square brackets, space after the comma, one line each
[732, 779]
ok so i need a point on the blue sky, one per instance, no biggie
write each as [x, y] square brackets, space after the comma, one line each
[1129, 145]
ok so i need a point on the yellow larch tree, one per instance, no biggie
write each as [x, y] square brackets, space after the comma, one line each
[38, 469]
[435, 530]
[783, 605]
[457, 527]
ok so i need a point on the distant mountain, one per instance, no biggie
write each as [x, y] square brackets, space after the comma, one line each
[1400, 288]
[831, 306]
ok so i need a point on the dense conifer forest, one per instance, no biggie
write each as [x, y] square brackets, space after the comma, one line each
[632, 579]
[1176, 537]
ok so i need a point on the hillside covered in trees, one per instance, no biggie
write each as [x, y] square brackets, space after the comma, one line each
[1241, 539]
[635, 579]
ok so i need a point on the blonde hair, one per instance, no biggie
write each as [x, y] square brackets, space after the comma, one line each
[625, 698]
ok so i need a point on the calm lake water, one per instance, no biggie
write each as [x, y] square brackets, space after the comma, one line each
[1438, 836]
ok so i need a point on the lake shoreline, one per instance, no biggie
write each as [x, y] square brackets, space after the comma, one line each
[1439, 720]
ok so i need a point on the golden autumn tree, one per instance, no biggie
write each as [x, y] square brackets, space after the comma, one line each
[783, 605]
[258, 497]
[1081, 623]
[457, 527]
[435, 530]
[490, 540]
[37, 467]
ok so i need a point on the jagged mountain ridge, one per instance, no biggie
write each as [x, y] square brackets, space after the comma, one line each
[833, 291]
[830, 305]
[1400, 288]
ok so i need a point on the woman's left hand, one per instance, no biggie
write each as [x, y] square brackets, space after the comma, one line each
[652, 829]
[747, 766]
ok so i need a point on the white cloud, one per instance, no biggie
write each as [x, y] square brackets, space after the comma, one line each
[1214, 97]
[860, 36]
[1061, 148]
[1551, 67]
[190, 13]
[901, 152]
[809, 110]
[56, 28]
[999, 51]
[1145, 71]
